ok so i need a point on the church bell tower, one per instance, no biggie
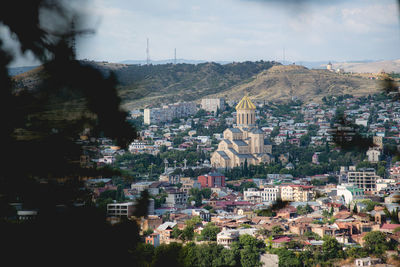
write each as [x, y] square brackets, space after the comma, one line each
[245, 113]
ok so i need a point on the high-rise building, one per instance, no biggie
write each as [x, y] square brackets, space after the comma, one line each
[213, 104]
[169, 112]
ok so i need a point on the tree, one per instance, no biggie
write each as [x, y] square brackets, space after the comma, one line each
[176, 232]
[287, 258]
[276, 230]
[250, 253]
[206, 193]
[187, 233]
[163, 149]
[249, 257]
[375, 242]
[356, 252]
[331, 248]
[167, 255]
[263, 232]
[210, 232]
[301, 210]
[381, 171]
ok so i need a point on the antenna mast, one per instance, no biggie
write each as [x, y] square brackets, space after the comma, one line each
[283, 56]
[175, 56]
[148, 52]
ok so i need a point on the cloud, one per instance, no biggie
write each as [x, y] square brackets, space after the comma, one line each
[242, 29]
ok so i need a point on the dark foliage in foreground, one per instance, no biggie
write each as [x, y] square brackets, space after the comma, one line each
[40, 150]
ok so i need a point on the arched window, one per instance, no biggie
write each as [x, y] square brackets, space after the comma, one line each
[247, 119]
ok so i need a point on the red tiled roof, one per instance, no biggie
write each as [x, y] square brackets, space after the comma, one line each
[388, 226]
[282, 239]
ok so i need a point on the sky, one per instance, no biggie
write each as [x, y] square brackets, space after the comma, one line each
[240, 30]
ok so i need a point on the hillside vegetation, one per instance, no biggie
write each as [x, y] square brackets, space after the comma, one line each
[156, 84]
[281, 83]
[152, 85]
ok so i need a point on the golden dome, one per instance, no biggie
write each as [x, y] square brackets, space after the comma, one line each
[245, 104]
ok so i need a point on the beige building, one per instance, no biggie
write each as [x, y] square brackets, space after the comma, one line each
[297, 193]
[364, 178]
[244, 142]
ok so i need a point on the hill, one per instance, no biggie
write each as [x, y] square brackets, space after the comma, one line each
[152, 85]
[281, 83]
[156, 84]
[369, 67]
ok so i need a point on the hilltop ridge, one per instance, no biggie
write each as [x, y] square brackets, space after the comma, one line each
[151, 85]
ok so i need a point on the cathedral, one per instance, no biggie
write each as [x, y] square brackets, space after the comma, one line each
[244, 142]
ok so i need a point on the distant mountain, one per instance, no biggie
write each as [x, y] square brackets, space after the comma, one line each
[321, 64]
[368, 66]
[170, 61]
[18, 70]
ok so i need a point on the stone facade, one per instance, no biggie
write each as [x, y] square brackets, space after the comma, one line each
[244, 142]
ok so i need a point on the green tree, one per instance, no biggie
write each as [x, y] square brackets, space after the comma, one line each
[331, 248]
[206, 193]
[302, 210]
[381, 171]
[276, 230]
[187, 233]
[167, 255]
[375, 242]
[249, 257]
[356, 252]
[176, 232]
[210, 232]
[287, 258]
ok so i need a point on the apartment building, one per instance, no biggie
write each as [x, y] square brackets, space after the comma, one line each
[169, 112]
[176, 198]
[297, 193]
[212, 180]
[213, 104]
[268, 194]
[120, 209]
[364, 178]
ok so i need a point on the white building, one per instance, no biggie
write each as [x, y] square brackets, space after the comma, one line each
[373, 155]
[120, 209]
[349, 192]
[227, 237]
[213, 104]
[268, 194]
[126, 209]
[362, 122]
[169, 112]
